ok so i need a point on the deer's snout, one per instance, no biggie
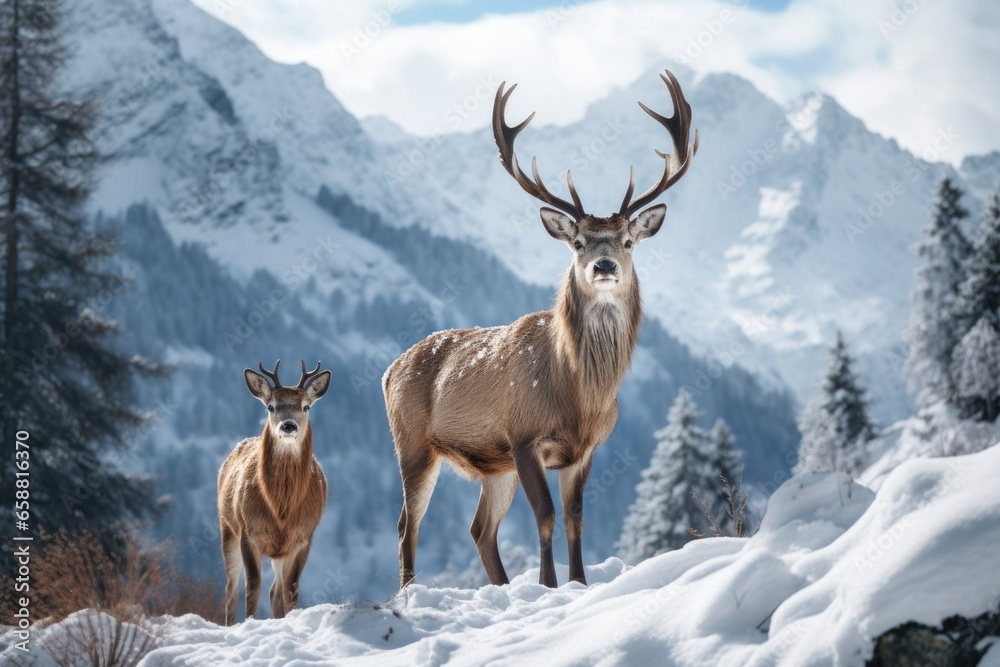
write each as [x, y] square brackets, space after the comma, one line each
[288, 427]
[605, 266]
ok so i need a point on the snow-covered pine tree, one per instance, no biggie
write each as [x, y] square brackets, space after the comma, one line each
[682, 463]
[835, 425]
[62, 382]
[728, 457]
[980, 293]
[978, 308]
[934, 329]
[976, 369]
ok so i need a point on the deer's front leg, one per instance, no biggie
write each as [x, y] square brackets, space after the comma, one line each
[531, 472]
[292, 576]
[572, 481]
[251, 570]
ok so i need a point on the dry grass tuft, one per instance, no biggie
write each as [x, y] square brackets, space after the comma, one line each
[740, 520]
[104, 599]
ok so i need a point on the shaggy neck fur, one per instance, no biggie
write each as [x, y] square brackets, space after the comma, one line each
[598, 333]
[283, 472]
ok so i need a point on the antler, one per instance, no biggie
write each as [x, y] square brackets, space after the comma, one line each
[679, 127]
[271, 374]
[308, 375]
[505, 136]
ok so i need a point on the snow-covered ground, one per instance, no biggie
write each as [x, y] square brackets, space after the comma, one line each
[833, 566]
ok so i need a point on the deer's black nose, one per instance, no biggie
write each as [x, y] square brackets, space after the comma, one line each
[288, 426]
[605, 266]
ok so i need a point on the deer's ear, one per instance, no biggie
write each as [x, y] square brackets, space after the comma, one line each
[257, 385]
[318, 385]
[648, 222]
[559, 226]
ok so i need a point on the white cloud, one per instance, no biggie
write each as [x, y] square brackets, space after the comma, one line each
[909, 74]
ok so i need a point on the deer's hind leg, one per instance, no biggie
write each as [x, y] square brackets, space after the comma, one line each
[419, 471]
[234, 565]
[494, 501]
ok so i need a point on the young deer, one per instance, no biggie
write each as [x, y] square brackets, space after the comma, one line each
[272, 492]
[505, 403]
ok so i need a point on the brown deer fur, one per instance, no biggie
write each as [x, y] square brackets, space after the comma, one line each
[506, 403]
[272, 493]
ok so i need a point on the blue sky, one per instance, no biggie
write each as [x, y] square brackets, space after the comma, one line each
[465, 11]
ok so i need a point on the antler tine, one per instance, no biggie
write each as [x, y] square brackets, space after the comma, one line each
[505, 135]
[678, 126]
[572, 190]
[271, 374]
[629, 191]
[308, 375]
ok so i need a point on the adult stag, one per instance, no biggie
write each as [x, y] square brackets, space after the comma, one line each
[505, 403]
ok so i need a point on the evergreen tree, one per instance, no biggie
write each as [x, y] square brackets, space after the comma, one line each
[976, 369]
[980, 293]
[933, 329]
[62, 383]
[835, 425]
[665, 509]
[724, 443]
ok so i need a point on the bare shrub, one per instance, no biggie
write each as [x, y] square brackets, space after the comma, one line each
[93, 638]
[102, 599]
[742, 521]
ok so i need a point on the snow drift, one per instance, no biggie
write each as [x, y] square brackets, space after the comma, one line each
[833, 566]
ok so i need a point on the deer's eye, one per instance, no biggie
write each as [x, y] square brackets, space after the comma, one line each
[578, 245]
[270, 408]
[305, 408]
[628, 243]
